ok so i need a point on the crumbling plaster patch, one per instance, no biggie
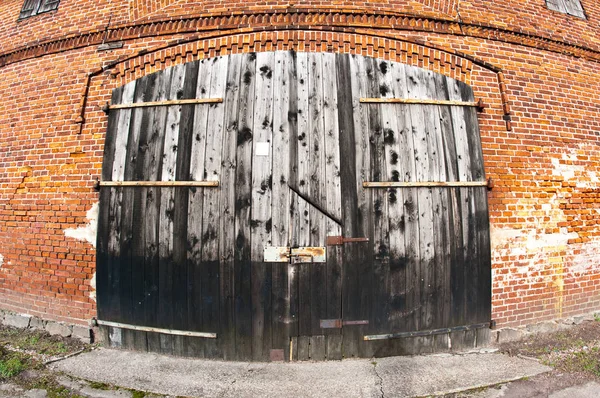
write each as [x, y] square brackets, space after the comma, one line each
[87, 233]
[542, 249]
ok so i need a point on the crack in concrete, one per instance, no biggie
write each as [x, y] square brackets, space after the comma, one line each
[380, 379]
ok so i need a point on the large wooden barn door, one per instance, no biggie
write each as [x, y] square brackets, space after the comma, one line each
[274, 205]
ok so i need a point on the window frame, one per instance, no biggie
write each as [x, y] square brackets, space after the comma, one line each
[573, 8]
[31, 8]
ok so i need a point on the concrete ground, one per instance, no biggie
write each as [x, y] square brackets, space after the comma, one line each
[383, 377]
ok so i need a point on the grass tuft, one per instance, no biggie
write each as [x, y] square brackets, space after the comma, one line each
[11, 367]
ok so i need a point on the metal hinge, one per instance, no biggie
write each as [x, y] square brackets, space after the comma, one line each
[338, 323]
[274, 254]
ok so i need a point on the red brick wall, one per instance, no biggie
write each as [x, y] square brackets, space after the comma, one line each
[544, 208]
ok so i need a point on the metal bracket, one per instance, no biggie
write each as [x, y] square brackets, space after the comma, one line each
[110, 46]
[340, 240]
[490, 184]
[297, 255]
[481, 105]
[338, 323]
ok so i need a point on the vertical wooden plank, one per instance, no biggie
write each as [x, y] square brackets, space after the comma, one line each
[332, 179]
[151, 145]
[482, 278]
[118, 268]
[104, 257]
[176, 197]
[467, 271]
[302, 208]
[181, 277]
[400, 167]
[334, 346]
[211, 209]
[196, 274]
[439, 289]
[262, 181]
[280, 235]
[317, 193]
[450, 201]
[303, 348]
[383, 125]
[292, 310]
[317, 348]
[357, 272]
[167, 266]
[422, 129]
[227, 249]
[349, 193]
[243, 177]
[130, 284]
[141, 123]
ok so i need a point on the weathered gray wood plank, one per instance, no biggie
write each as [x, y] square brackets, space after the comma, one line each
[211, 209]
[227, 219]
[243, 177]
[359, 273]
[332, 175]
[302, 212]
[317, 188]
[196, 274]
[262, 181]
[280, 211]
[397, 150]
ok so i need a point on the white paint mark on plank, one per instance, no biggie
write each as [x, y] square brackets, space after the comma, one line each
[263, 148]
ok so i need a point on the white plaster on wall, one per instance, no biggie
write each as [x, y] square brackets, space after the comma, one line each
[93, 286]
[586, 258]
[87, 232]
[565, 167]
[1, 260]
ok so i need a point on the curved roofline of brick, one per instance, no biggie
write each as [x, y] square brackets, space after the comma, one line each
[352, 21]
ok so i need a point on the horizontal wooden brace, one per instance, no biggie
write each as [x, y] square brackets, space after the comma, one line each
[416, 101]
[157, 330]
[167, 103]
[208, 184]
[479, 104]
[421, 333]
[422, 184]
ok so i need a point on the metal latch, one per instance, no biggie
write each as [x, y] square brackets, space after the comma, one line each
[274, 254]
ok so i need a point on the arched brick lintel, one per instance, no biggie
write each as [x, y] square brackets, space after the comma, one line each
[373, 44]
[390, 48]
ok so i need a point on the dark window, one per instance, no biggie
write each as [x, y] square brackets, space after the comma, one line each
[34, 7]
[571, 7]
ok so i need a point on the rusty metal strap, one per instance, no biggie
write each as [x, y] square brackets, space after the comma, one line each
[157, 330]
[421, 333]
